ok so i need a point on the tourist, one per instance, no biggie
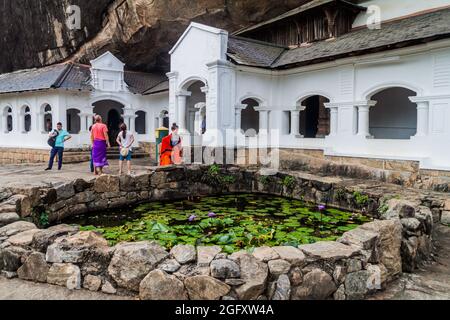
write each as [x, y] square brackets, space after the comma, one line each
[57, 139]
[100, 143]
[171, 150]
[125, 140]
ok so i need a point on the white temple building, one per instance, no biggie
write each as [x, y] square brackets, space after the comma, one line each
[316, 78]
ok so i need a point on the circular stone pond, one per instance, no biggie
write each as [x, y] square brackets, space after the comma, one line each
[234, 222]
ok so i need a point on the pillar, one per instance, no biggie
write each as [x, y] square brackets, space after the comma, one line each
[263, 120]
[363, 119]
[423, 111]
[295, 121]
[238, 116]
[181, 103]
[323, 125]
[333, 120]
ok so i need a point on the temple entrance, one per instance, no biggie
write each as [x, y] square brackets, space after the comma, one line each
[194, 105]
[112, 115]
[250, 118]
[315, 118]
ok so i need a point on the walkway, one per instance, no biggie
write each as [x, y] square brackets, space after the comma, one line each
[432, 282]
[16, 289]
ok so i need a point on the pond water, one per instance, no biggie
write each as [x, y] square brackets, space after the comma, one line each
[234, 222]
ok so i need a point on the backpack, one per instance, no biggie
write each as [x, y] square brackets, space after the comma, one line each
[52, 140]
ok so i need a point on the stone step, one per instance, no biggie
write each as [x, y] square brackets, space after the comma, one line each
[8, 217]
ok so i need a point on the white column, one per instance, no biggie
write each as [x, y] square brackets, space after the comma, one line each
[295, 122]
[363, 118]
[182, 99]
[423, 114]
[263, 120]
[333, 121]
[238, 116]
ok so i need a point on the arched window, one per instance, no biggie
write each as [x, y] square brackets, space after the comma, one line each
[26, 118]
[73, 121]
[394, 116]
[140, 123]
[250, 118]
[48, 119]
[315, 118]
[7, 120]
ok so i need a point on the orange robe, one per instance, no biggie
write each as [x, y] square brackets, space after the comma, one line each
[168, 154]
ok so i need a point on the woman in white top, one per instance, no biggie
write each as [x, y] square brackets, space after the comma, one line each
[125, 140]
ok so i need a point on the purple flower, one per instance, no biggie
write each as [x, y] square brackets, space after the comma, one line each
[321, 207]
[211, 215]
[192, 218]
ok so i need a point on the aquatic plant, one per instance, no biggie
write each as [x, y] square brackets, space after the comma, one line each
[234, 222]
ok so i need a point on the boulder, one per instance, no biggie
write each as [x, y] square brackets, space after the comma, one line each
[290, 254]
[254, 272]
[107, 183]
[365, 239]
[329, 250]
[65, 274]
[340, 293]
[425, 216]
[410, 224]
[357, 285]
[207, 254]
[8, 217]
[339, 274]
[35, 268]
[158, 285]
[205, 288]
[278, 267]
[43, 238]
[265, 254]
[317, 285]
[169, 265]
[108, 288]
[73, 248]
[16, 227]
[133, 261]
[390, 243]
[282, 289]
[92, 283]
[353, 265]
[11, 258]
[296, 276]
[224, 269]
[400, 208]
[409, 253]
[378, 276]
[23, 239]
[445, 218]
[184, 253]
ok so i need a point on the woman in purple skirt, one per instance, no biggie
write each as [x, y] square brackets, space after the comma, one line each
[100, 144]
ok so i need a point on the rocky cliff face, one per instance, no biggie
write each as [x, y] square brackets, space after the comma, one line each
[140, 32]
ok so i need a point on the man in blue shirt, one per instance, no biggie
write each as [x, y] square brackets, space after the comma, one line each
[60, 136]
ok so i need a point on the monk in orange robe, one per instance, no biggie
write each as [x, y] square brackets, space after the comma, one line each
[171, 151]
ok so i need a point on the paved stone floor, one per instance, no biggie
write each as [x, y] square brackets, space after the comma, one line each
[16, 289]
[432, 282]
[27, 175]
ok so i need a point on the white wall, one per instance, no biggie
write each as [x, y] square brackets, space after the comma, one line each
[391, 9]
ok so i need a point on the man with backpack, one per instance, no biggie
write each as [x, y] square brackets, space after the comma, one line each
[56, 141]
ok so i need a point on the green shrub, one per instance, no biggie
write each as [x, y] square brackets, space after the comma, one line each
[360, 199]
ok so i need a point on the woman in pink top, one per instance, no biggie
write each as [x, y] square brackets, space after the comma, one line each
[100, 143]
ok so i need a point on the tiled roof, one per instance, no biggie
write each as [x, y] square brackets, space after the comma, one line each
[73, 77]
[140, 82]
[395, 34]
[252, 52]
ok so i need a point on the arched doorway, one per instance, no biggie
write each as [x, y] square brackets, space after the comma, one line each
[114, 122]
[140, 122]
[48, 118]
[250, 118]
[112, 114]
[195, 99]
[394, 116]
[315, 118]
[73, 121]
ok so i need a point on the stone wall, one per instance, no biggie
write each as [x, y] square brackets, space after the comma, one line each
[362, 261]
